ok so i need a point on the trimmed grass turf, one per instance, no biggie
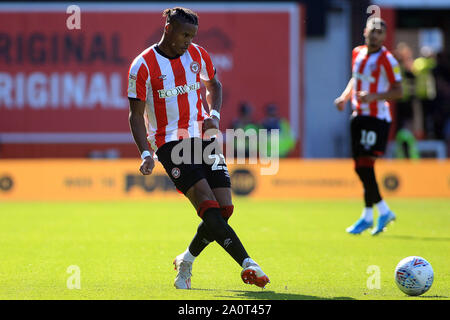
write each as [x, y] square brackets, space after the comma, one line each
[125, 250]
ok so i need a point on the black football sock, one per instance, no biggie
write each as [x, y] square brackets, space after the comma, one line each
[371, 191]
[201, 240]
[374, 191]
[223, 234]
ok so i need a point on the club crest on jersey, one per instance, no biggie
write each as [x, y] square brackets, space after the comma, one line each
[195, 67]
[176, 173]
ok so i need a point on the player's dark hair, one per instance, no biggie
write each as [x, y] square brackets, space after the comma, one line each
[180, 14]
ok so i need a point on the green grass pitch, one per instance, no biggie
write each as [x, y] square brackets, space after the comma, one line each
[124, 250]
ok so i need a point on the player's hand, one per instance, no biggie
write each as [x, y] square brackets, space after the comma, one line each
[365, 97]
[340, 103]
[147, 166]
[211, 125]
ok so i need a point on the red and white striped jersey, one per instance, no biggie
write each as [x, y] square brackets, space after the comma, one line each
[171, 90]
[373, 73]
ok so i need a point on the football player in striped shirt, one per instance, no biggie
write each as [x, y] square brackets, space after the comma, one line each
[164, 86]
[375, 79]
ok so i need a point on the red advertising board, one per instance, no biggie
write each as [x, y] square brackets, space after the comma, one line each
[63, 91]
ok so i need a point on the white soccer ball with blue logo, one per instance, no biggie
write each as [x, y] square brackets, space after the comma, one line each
[414, 275]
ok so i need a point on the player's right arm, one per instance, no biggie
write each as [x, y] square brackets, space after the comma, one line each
[139, 131]
[345, 96]
[347, 93]
[138, 75]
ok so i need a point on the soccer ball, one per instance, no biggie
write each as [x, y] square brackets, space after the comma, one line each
[414, 275]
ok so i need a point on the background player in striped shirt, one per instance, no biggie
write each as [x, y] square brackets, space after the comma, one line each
[164, 85]
[375, 79]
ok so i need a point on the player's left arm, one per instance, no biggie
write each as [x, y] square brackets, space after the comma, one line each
[213, 91]
[214, 101]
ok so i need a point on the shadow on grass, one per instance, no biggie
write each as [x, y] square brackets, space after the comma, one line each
[270, 295]
[409, 237]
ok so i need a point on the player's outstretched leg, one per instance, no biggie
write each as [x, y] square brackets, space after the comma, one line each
[224, 235]
[214, 226]
[203, 238]
[183, 262]
[227, 238]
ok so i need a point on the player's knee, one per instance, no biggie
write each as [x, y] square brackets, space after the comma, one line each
[214, 223]
[227, 211]
[206, 205]
[363, 167]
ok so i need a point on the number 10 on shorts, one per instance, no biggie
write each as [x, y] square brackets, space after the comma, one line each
[368, 138]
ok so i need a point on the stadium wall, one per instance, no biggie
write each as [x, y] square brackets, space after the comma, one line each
[83, 180]
[327, 72]
[63, 91]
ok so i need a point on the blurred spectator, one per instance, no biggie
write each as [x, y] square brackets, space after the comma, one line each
[409, 108]
[426, 88]
[441, 113]
[273, 121]
[406, 146]
[409, 112]
[245, 117]
[245, 122]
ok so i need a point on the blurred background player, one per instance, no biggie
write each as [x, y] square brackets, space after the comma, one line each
[376, 77]
[165, 80]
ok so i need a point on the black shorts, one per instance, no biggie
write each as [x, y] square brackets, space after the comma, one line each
[369, 136]
[189, 160]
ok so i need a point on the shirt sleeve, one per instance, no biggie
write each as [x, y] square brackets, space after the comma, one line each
[137, 80]
[208, 71]
[355, 53]
[392, 68]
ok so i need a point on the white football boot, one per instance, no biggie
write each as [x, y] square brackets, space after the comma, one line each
[253, 274]
[184, 273]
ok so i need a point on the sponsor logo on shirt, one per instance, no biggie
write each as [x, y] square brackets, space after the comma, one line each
[167, 93]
